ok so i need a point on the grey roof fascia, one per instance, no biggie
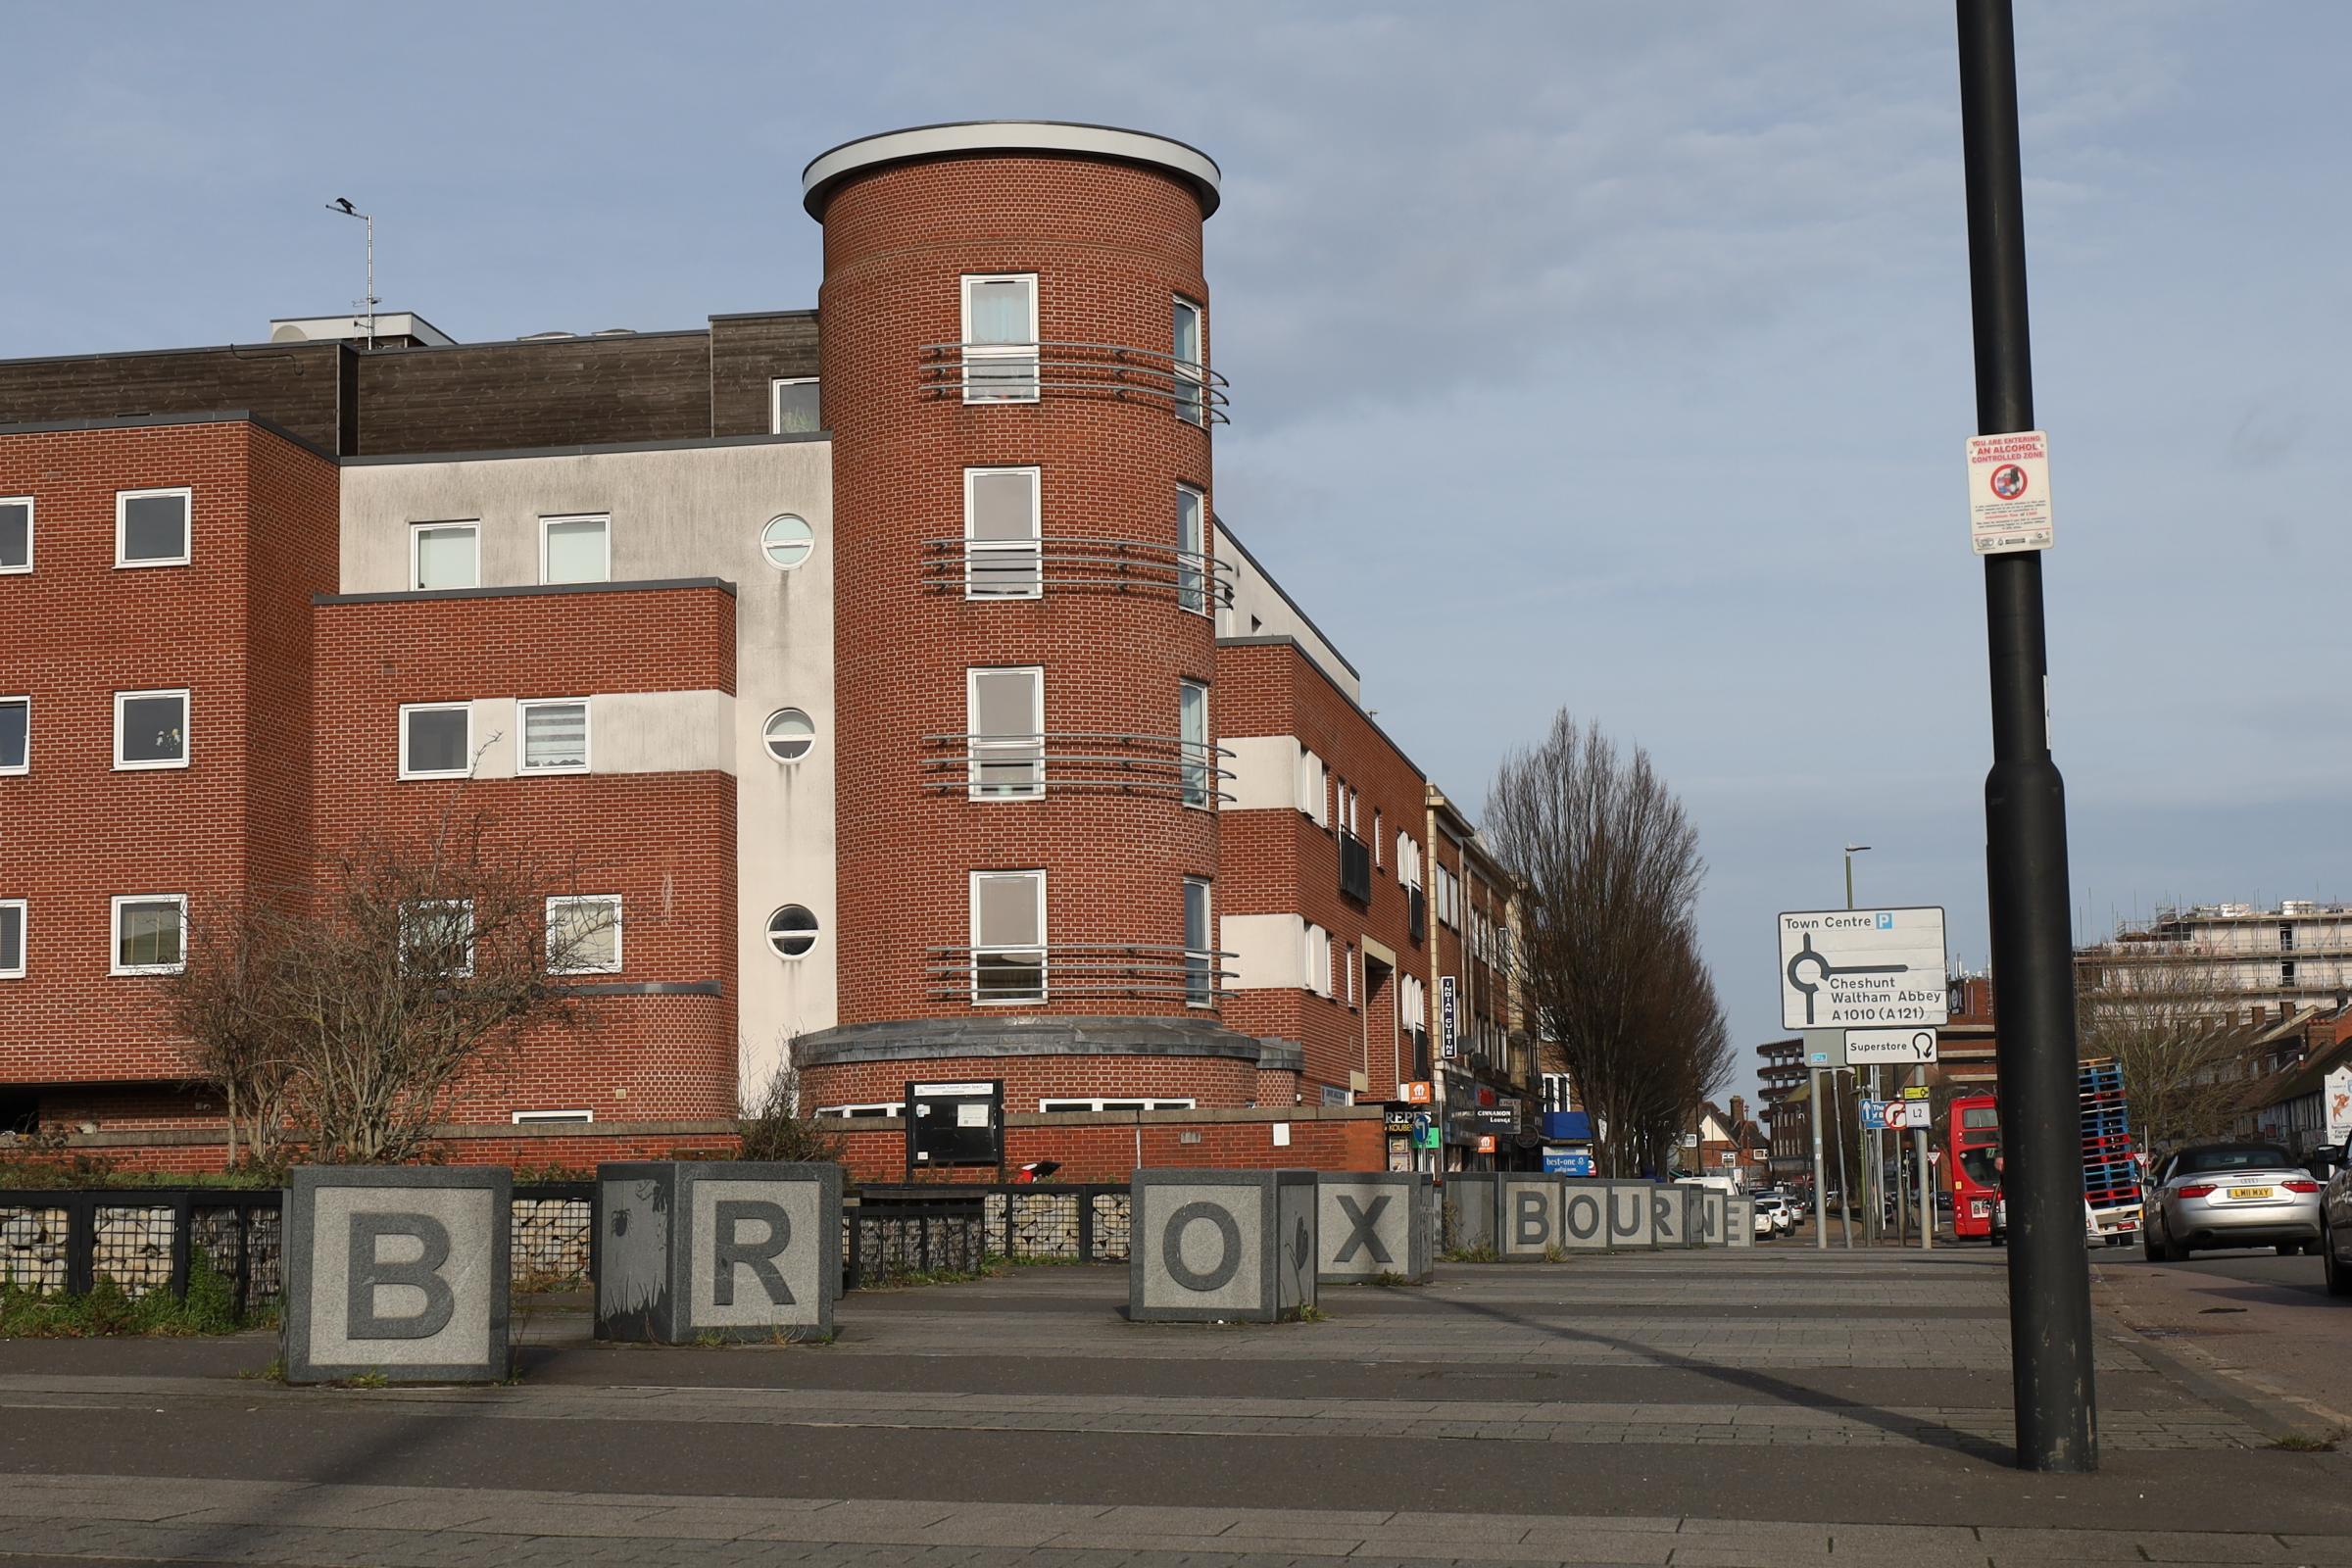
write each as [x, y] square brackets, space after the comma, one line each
[524, 590]
[684, 443]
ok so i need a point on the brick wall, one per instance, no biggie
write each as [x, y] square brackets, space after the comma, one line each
[1093, 1149]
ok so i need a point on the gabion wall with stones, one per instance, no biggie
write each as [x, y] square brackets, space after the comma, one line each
[548, 1238]
[32, 1248]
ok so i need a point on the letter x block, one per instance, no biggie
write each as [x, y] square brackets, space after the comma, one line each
[686, 1250]
[397, 1271]
[1220, 1245]
[1372, 1224]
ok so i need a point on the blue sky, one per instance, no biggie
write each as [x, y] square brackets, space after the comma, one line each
[1600, 355]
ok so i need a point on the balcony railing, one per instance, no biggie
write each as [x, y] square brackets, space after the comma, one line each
[1024, 372]
[1417, 914]
[1028, 766]
[1024, 568]
[1011, 977]
[1356, 868]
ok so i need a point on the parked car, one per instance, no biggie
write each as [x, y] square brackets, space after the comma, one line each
[2335, 1218]
[2232, 1195]
[1775, 1215]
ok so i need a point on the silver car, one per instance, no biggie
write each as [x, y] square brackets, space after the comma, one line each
[2232, 1195]
[2336, 1219]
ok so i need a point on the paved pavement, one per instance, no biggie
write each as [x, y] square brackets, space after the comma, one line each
[1767, 1406]
[2255, 1319]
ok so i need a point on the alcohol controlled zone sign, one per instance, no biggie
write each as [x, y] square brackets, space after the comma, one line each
[1862, 968]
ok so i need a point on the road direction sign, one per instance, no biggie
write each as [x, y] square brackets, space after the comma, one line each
[2009, 492]
[1915, 1091]
[1862, 968]
[1880, 1048]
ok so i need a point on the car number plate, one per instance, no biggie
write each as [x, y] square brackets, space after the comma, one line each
[2249, 1192]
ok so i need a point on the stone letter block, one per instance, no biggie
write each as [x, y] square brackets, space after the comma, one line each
[1372, 1223]
[1712, 1200]
[1220, 1245]
[1527, 1217]
[1630, 1225]
[688, 1248]
[1674, 1217]
[1740, 1219]
[1584, 1214]
[398, 1270]
[1469, 1205]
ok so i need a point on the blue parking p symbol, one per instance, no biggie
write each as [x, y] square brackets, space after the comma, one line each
[1885, 922]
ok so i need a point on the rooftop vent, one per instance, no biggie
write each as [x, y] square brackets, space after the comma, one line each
[399, 329]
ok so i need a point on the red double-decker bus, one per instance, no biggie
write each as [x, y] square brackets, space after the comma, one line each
[1973, 1151]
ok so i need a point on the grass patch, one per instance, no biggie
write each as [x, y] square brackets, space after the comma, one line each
[1389, 1279]
[1312, 1314]
[1471, 1255]
[2305, 1442]
[209, 1308]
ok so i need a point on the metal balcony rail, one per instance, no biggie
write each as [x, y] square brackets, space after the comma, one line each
[1020, 568]
[1356, 868]
[1025, 766]
[1067, 969]
[1022, 372]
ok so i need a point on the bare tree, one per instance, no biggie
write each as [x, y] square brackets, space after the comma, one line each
[2166, 1019]
[774, 1126]
[1612, 869]
[351, 1022]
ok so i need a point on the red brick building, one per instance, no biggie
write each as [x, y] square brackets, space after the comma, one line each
[885, 672]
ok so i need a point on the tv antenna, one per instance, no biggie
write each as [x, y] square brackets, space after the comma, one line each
[342, 204]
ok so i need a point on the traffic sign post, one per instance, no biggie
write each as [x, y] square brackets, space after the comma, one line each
[1882, 1048]
[1862, 968]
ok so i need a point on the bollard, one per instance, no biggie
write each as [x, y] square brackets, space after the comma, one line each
[1740, 1219]
[1469, 1208]
[1220, 1245]
[1527, 1217]
[690, 1249]
[1370, 1224]
[1630, 1225]
[1674, 1214]
[1584, 1214]
[399, 1272]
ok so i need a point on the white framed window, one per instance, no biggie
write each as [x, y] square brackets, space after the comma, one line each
[1379, 837]
[436, 740]
[151, 729]
[11, 939]
[1005, 726]
[1199, 945]
[1192, 731]
[1003, 548]
[555, 735]
[791, 407]
[445, 554]
[583, 934]
[1408, 860]
[789, 734]
[792, 931]
[436, 937]
[577, 549]
[524, 1117]
[1009, 937]
[999, 337]
[1184, 336]
[149, 933]
[1315, 959]
[1192, 549]
[152, 527]
[1312, 790]
[16, 533]
[869, 1111]
[1074, 1105]
[16, 734]
[787, 541]
[1347, 972]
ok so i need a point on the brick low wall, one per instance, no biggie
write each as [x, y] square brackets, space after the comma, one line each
[1108, 1147]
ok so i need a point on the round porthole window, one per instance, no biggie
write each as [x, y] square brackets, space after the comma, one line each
[790, 734]
[792, 931]
[786, 541]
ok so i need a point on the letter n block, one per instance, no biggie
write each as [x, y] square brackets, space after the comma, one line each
[690, 1249]
[1373, 1224]
[1220, 1245]
[397, 1271]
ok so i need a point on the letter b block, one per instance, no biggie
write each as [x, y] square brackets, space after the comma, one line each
[398, 1271]
[689, 1249]
[1220, 1245]
[1372, 1224]
[1527, 1217]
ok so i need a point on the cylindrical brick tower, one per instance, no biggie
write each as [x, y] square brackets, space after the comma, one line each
[1013, 365]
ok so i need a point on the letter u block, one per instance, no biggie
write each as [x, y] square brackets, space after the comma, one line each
[688, 1249]
[397, 1271]
[1221, 1245]
[1371, 1224]
[1632, 1224]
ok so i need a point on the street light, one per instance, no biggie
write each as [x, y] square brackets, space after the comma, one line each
[1851, 849]
[342, 204]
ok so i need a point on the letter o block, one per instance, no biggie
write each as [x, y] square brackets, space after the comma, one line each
[1372, 1224]
[692, 1249]
[1584, 1214]
[1221, 1245]
[399, 1272]
[1527, 1217]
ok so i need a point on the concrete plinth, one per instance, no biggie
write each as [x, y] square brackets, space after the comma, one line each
[1713, 1204]
[1371, 1224]
[1468, 1202]
[1674, 1214]
[691, 1249]
[1740, 1219]
[1220, 1245]
[1632, 1227]
[1527, 1217]
[1585, 1213]
[400, 1272]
